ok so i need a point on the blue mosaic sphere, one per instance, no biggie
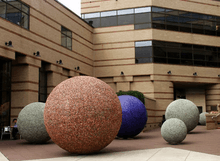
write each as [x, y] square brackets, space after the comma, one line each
[134, 116]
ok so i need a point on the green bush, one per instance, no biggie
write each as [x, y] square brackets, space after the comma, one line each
[136, 94]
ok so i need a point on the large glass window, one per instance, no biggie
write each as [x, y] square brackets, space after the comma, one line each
[66, 38]
[143, 52]
[126, 17]
[2, 9]
[158, 18]
[16, 12]
[184, 21]
[108, 18]
[176, 53]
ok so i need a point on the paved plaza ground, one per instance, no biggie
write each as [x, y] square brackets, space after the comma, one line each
[199, 140]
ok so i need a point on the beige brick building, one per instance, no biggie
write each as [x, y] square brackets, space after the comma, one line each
[164, 49]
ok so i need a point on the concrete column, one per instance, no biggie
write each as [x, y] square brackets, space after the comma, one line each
[24, 83]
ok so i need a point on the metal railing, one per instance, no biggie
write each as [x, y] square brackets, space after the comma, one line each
[215, 116]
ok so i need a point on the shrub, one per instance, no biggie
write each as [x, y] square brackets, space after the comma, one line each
[136, 94]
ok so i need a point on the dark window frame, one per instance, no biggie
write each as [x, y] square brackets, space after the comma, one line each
[194, 55]
[21, 12]
[66, 36]
[190, 22]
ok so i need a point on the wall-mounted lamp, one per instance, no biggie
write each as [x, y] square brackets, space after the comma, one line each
[77, 68]
[169, 72]
[122, 73]
[219, 75]
[60, 62]
[37, 54]
[195, 74]
[8, 43]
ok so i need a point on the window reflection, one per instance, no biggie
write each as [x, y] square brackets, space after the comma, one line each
[143, 43]
[176, 53]
[125, 19]
[66, 38]
[158, 18]
[108, 21]
[142, 18]
[125, 12]
[108, 13]
[92, 15]
[143, 10]
[157, 9]
[15, 12]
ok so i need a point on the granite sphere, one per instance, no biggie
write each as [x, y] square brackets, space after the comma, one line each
[202, 118]
[184, 110]
[30, 123]
[174, 131]
[83, 115]
[134, 116]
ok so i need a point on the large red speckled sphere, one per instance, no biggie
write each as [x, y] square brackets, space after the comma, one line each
[82, 115]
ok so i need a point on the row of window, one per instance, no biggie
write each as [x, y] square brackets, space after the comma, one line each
[188, 22]
[15, 11]
[176, 53]
[155, 17]
[149, 10]
[18, 13]
[120, 17]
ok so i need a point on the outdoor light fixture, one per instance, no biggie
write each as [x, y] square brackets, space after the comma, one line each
[78, 68]
[59, 62]
[8, 43]
[169, 72]
[219, 75]
[195, 74]
[37, 54]
[122, 73]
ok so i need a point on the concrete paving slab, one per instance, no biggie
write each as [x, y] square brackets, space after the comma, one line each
[69, 158]
[140, 155]
[196, 156]
[170, 154]
[160, 154]
[3, 158]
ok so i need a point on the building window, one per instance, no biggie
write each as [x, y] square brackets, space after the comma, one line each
[16, 12]
[158, 18]
[176, 53]
[143, 52]
[66, 38]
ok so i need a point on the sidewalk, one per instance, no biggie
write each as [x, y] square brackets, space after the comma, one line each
[161, 154]
[199, 140]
